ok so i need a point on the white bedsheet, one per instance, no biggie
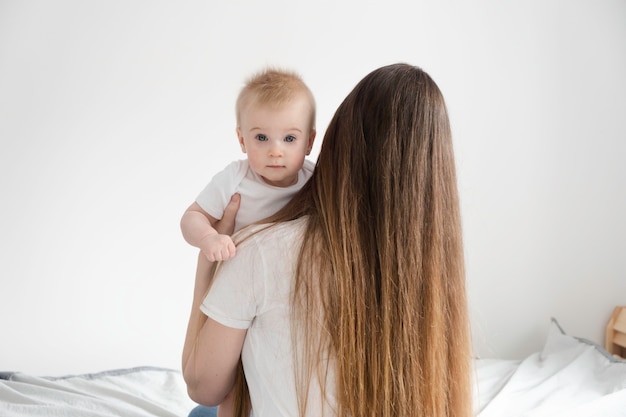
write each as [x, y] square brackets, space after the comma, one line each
[570, 377]
[136, 392]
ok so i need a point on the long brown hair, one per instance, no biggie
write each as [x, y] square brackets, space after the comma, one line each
[380, 282]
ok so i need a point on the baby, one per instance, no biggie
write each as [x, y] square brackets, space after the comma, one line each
[275, 114]
[276, 129]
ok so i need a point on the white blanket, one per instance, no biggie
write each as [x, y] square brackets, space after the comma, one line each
[570, 377]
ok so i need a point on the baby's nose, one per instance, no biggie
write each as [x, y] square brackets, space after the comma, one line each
[276, 149]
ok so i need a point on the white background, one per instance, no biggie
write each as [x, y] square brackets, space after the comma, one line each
[114, 114]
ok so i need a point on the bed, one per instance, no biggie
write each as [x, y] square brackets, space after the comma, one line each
[570, 377]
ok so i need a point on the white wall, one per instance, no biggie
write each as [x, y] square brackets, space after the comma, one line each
[114, 114]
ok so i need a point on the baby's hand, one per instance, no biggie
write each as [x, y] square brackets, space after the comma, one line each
[217, 247]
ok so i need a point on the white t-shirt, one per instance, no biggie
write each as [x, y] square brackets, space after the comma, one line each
[258, 199]
[253, 291]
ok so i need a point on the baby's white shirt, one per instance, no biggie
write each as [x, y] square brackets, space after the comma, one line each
[258, 199]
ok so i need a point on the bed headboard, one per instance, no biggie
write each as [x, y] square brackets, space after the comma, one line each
[615, 342]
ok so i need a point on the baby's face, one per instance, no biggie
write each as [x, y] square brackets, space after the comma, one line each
[276, 139]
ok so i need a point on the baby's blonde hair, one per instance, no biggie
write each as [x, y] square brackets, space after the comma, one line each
[274, 87]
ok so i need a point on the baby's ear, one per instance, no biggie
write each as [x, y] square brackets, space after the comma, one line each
[240, 139]
[311, 140]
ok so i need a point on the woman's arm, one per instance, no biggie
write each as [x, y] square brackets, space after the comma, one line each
[211, 351]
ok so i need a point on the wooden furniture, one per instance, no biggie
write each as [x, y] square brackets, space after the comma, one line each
[615, 342]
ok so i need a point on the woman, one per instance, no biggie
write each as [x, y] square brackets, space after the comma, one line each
[350, 301]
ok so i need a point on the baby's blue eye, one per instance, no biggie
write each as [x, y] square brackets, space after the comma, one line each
[261, 137]
[290, 138]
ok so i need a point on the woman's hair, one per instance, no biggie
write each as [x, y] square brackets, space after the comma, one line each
[380, 284]
[273, 87]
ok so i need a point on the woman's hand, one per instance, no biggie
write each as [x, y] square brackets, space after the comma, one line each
[219, 246]
[226, 225]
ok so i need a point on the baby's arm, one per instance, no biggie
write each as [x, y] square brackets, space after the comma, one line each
[198, 229]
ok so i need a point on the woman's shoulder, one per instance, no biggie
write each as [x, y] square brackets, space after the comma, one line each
[273, 233]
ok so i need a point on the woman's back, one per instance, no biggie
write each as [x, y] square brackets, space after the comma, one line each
[253, 291]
